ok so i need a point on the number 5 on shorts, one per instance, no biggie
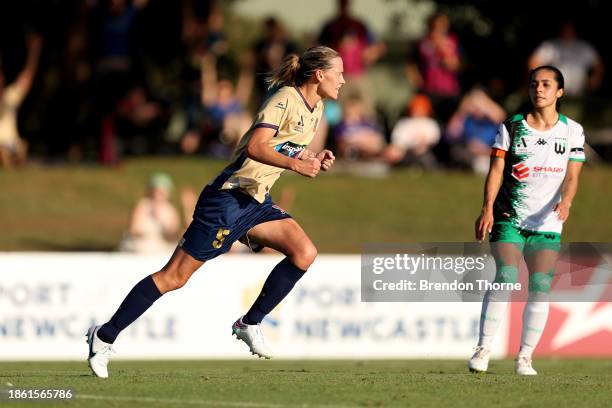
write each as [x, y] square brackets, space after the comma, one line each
[221, 234]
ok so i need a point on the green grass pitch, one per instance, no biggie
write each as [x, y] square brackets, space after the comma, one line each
[325, 384]
[58, 208]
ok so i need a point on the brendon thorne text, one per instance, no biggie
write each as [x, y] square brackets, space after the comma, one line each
[425, 285]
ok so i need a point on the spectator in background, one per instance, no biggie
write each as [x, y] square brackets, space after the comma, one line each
[154, 222]
[65, 122]
[115, 68]
[216, 43]
[357, 136]
[357, 47]
[579, 62]
[140, 121]
[13, 149]
[268, 54]
[112, 36]
[224, 119]
[435, 65]
[204, 34]
[577, 59]
[194, 39]
[413, 136]
[474, 125]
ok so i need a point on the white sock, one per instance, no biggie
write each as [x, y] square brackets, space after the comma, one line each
[494, 306]
[535, 315]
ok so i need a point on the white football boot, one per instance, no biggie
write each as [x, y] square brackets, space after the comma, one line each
[251, 334]
[480, 360]
[523, 366]
[99, 353]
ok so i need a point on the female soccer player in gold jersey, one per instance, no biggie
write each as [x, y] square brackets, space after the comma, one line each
[236, 205]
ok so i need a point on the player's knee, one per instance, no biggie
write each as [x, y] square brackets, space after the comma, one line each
[308, 253]
[540, 282]
[172, 279]
[506, 274]
[304, 255]
[179, 281]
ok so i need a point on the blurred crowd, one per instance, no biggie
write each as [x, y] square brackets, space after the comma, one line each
[117, 78]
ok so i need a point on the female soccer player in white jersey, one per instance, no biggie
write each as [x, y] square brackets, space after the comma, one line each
[533, 178]
[236, 205]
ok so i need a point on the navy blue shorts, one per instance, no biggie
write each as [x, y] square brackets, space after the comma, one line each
[223, 216]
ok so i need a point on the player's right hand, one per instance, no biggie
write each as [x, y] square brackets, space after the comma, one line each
[308, 167]
[306, 154]
[483, 225]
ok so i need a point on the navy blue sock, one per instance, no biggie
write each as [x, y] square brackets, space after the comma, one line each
[279, 283]
[140, 298]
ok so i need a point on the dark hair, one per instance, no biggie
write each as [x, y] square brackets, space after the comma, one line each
[437, 15]
[297, 70]
[558, 78]
[270, 22]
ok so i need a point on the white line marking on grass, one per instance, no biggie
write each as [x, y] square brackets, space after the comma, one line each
[238, 404]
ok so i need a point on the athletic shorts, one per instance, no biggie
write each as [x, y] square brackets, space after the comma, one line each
[222, 217]
[525, 239]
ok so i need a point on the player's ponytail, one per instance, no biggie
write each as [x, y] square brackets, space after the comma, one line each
[295, 70]
[286, 74]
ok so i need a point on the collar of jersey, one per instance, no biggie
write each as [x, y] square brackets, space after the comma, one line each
[311, 109]
[534, 130]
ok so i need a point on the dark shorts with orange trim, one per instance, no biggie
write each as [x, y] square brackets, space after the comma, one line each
[222, 217]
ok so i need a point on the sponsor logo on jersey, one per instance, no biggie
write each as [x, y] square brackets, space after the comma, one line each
[548, 169]
[520, 171]
[559, 148]
[290, 149]
[300, 125]
[280, 105]
[520, 147]
[541, 142]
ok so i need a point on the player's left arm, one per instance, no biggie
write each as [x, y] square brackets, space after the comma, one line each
[568, 189]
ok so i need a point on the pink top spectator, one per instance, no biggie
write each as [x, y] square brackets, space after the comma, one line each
[351, 38]
[437, 78]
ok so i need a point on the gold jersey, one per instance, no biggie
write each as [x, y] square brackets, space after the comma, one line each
[295, 123]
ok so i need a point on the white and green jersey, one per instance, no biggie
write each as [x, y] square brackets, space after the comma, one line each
[535, 167]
